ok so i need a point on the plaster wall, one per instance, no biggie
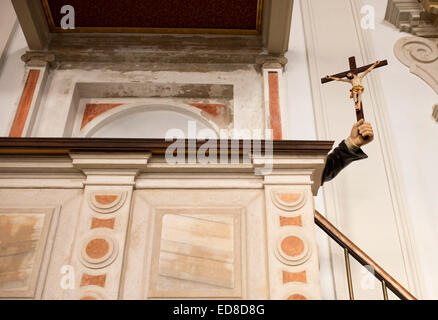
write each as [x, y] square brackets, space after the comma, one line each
[409, 102]
[11, 79]
[7, 24]
[399, 175]
[57, 102]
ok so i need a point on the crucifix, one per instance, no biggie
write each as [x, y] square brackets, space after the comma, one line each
[354, 76]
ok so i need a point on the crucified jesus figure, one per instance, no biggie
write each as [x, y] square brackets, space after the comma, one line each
[356, 82]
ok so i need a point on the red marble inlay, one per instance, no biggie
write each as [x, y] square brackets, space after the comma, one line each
[93, 110]
[102, 223]
[292, 221]
[294, 277]
[25, 104]
[289, 197]
[97, 248]
[212, 109]
[274, 106]
[292, 246]
[105, 200]
[89, 280]
[297, 297]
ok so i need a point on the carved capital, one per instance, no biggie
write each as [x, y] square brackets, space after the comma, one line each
[421, 56]
[102, 168]
[431, 6]
[416, 17]
[38, 58]
[272, 62]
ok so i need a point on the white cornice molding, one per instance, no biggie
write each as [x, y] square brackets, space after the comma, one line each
[144, 170]
[39, 172]
[291, 170]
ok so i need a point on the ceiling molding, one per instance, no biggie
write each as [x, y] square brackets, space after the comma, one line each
[153, 51]
[272, 38]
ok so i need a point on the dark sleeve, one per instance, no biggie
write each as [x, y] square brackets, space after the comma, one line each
[338, 159]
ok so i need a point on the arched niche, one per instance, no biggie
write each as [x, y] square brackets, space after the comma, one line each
[147, 121]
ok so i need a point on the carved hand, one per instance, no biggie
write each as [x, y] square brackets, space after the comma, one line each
[362, 129]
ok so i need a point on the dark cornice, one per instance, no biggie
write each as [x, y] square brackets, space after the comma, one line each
[59, 146]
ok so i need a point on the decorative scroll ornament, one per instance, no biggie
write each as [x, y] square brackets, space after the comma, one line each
[421, 56]
[288, 200]
[105, 203]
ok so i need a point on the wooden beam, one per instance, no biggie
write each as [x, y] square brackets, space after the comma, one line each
[8, 22]
[44, 146]
[276, 30]
[33, 22]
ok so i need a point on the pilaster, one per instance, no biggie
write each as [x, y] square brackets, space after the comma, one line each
[275, 99]
[36, 72]
[291, 241]
[98, 253]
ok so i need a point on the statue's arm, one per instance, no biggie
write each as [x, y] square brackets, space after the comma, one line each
[338, 79]
[363, 74]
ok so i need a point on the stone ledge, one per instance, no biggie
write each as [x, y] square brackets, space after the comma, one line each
[38, 58]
